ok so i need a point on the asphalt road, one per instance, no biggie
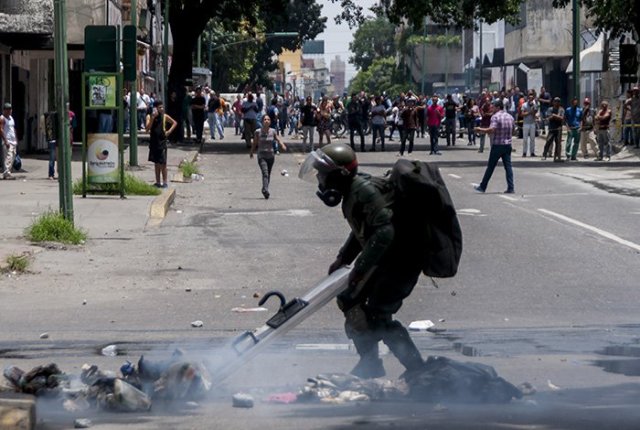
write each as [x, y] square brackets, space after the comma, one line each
[547, 293]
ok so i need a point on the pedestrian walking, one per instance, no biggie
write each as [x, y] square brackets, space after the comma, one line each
[156, 126]
[263, 143]
[198, 107]
[501, 128]
[555, 116]
[471, 112]
[250, 112]
[9, 138]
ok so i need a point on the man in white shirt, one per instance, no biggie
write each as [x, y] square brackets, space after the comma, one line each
[9, 139]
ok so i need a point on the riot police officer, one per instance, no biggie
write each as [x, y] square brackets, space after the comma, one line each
[385, 269]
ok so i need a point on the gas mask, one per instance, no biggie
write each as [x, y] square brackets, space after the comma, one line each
[329, 196]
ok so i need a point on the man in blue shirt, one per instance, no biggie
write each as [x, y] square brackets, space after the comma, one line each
[573, 117]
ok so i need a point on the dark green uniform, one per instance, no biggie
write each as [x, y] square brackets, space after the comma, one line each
[394, 273]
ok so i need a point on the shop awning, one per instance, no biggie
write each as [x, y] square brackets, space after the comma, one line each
[591, 58]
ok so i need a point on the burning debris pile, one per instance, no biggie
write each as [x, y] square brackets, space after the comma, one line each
[133, 391]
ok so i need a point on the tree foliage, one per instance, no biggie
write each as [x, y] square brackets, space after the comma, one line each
[188, 20]
[614, 16]
[382, 75]
[374, 38]
[461, 13]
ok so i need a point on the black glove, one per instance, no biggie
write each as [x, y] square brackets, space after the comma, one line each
[335, 265]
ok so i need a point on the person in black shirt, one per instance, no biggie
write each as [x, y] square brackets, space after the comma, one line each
[198, 106]
[354, 117]
[450, 114]
[308, 121]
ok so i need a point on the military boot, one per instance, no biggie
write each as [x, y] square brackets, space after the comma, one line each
[397, 338]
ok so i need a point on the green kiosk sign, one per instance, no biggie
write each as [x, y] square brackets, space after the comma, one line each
[102, 83]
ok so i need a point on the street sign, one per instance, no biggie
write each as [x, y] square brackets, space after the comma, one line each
[100, 48]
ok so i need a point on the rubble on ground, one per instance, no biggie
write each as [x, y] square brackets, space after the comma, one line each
[133, 390]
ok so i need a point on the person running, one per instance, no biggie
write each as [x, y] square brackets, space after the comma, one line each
[263, 143]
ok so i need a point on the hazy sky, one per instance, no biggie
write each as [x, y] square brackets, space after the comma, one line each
[337, 37]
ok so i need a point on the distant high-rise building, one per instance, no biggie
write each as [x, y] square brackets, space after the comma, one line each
[338, 73]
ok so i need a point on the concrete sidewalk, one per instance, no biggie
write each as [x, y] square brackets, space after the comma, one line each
[32, 194]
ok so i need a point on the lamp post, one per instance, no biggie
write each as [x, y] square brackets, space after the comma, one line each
[133, 100]
[576, 48]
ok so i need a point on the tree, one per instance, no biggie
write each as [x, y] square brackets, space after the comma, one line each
[382, 75]
[374, 38]
[189, 18]
[462, 13]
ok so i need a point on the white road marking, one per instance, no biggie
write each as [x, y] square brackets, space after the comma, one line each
[593, 229]
[470, 212]
[512, 199]
[454, 176]
[288, 212]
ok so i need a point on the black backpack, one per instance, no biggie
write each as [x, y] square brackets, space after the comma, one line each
[424, 216]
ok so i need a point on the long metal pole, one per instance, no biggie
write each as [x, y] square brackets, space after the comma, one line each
[481, 58]
[133, 102]
[165, 53]
[424, 53]
[446, 62]
[199, 52]
[576, 49]
[62, 102]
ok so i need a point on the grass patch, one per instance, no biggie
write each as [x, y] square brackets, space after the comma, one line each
[16, 263]
[133, 186]
[53, 227]
[188, 168]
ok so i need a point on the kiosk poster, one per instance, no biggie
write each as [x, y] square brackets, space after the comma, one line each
[102, 158]
[102, 91]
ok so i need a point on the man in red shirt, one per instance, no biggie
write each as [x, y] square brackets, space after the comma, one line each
[435, 113]
[486, 112]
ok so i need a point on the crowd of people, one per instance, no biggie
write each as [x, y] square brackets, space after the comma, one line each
[408, 116]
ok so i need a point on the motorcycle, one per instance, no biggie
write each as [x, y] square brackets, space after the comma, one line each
[339, 125]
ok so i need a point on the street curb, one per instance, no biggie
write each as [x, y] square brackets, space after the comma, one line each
[17, 411]
[160, 204]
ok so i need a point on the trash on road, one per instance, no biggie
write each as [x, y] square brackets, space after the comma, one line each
[197, 324]
[183, 381]
[552, 385]
[443, 379]
[82, 423]
[39, 381]
[421, 325]
[44, 336]
[284, 173]
[282, 398]
[241, 400]
[109, 351]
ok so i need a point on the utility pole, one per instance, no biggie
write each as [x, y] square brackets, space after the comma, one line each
[424, 53]
[62, 102]
[165, 52]
[481, 57]
[199, 52]
[576, 49]
[133, 100]
[446, 62]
